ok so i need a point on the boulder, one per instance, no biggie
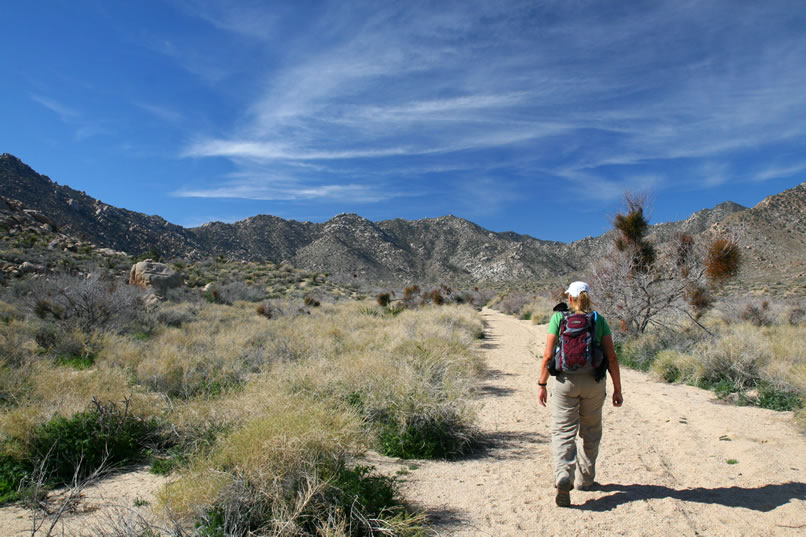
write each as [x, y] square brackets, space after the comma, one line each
[157, 276]
[30, 268]
[39, 217]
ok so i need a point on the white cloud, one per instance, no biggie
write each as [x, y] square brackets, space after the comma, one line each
[581, 92]
[255, 187]
[64, 112]
[776, 172]
[161, 112]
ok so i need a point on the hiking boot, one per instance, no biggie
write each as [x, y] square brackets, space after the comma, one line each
[563, 498]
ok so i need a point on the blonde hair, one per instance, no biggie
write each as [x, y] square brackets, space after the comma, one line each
[582, 303]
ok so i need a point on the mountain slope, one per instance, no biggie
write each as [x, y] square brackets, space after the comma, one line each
[444, 249]
[773, 237]
[89, 219]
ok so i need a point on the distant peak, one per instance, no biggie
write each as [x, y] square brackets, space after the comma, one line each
[9, 156]
[730, 205]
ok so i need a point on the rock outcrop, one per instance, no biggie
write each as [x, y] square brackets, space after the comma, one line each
[157, 276]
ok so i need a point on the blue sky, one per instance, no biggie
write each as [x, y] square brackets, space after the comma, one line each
[533, 117]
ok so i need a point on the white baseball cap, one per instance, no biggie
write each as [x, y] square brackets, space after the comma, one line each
[576, 288]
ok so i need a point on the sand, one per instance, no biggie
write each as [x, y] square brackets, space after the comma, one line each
[674, 461]
[663, 466]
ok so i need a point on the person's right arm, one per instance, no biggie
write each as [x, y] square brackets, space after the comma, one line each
[613, 368]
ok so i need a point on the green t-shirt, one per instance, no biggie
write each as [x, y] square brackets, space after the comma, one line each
[602, 328]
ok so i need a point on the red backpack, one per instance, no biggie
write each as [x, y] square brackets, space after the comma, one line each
[576, 346]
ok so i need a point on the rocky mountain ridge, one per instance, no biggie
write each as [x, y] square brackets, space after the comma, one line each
[440, 249]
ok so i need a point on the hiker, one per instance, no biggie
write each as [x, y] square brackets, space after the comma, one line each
[579, 388]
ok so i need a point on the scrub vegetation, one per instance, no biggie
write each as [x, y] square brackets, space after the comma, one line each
[260, 401]
[672, 321]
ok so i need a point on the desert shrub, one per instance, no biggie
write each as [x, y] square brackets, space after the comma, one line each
[675, 366]
[394, 309]
[212, 295]
[723, 259]
[411, 296]
[736, 356]
[15, 383]
[73, 446]
[761, 311]
[757, 315]
[94, 302]
[230, 292]
[761, 365]
[68, 344]
[436, 297]
[775, 398]
[9, 313]
[334, 499]
[258, 474]
[175, 315]
[639, 352]
[105, 434]
[275, 309]
[408, 375]
[383, 299]
[208, 357]
[13, 472]
[539, 310]
[17, 343]
[427, 437]
[512, 303]
[184, 294]
[797, 316]
[643, 285]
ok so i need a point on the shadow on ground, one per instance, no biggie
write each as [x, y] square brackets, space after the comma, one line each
[764, 499]
[502, 445]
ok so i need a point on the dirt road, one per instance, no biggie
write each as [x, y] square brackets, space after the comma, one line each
[673, 461]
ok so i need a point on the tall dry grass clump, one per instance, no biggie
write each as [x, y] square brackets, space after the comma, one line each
[539, 310]
[761, 365]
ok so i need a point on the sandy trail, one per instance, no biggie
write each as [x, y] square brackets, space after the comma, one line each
[663, 465]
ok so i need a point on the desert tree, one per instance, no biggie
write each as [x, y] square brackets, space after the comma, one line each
[643, 284]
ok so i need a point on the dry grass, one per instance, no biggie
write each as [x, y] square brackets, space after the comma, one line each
[539, 310]
[269, 411]
[764, 365]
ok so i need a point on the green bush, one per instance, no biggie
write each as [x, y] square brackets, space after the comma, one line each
[427, 437]
[776, 399]
[12, 472]
[675, 366]
[354, 496]
[373, 494]
[105, 434]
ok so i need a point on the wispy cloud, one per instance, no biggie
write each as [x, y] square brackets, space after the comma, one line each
[83, 128]
[776, 172]
[249, 19]
[161, 112]
[65, 113]
[256, 187]
[595, 95]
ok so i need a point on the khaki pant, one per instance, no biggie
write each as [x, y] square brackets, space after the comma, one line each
[576, 405]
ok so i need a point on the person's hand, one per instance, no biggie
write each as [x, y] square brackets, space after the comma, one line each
[543, 395]
[618, 400]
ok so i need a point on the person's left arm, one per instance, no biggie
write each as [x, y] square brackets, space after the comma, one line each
[613, 368]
